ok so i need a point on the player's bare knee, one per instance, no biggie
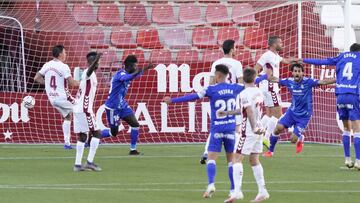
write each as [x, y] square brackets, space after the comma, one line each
[82, 137]
[68, 117]
[254, 159]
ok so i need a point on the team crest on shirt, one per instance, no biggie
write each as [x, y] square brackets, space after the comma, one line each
[302, 86]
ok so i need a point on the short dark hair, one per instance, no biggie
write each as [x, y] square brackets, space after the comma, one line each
[249, 75]
[91, 56]
[296, 65]
[272, 40]
[228, 45]
[130, 60]
[57, 50]
[222, 69]
[355, 47]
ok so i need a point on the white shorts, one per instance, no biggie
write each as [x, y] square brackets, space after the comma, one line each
[64, 107]
[271, 99]
[84, 122]
[249, 144]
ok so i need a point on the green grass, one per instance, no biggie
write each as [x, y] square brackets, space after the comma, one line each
[169, 173]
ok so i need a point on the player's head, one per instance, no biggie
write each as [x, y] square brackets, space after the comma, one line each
[249, 75]
[130, 63]
[275, 42]
[58, 52]
[90, 57]
[355, 47]
[297, 71]
[221, 72]
[228, 47]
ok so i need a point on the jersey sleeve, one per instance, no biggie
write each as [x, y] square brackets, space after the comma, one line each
[284, 82]
[67, 72]
[212, 71]
[123, 76]
[43, 70]
[264, 59]
[328, 61]
[313, 82]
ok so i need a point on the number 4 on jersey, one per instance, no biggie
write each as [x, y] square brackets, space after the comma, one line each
[347, 72]
[53, 82]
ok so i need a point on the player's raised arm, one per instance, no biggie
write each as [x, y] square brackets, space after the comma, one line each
[185, 98]
[94, 61]
[328, 61]
[327, 81]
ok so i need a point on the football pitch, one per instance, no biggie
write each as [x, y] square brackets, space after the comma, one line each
[169, 173]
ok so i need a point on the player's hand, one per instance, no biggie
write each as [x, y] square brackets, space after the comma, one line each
[222, 113]
[259, 130]
[167, 100]
[273, 79]
[148, 67]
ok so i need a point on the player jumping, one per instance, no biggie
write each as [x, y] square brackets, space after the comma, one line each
[298, 115]
[251, 139]
[84, 117]
[347, 97]
[117, 107]
[56, 76]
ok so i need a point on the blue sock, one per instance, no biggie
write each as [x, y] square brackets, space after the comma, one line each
[211, 171]
[231, 178]
[273, 141]
[357, 145]
[134, 134]
[105, 133]
[346, 143]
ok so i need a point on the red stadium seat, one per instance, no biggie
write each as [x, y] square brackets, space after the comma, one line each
[109, 59]
[229, 33]
[212, 55]
[95, 37]
[128, 1]
[217, 15]
[138, 53]
[148, 38]
[209, 1]
[255, 38]
[135, 15]
[244, 56]
[84, 14]
[121, 37]
[108, 14]
[243, 15]
[160, 56]
[190, 13]
[157, 1]
[175, 38]
[203, 37]
[163, 14]
[187, 56]
[184, 1]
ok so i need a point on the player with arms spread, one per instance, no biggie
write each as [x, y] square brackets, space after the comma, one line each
[222, 97]
[84, 117]
[299, 113]
[117, 107]
[56, 76]
[347, 97]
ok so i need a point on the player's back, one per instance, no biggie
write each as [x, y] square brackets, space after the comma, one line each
[234, 66]
[348, 73]
[251, 97]
[86, 94]
[223, 98]
[118, 91]
[55, 73]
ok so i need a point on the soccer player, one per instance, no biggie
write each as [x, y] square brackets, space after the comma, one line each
[56, 76]
[222, 96]
[299, 113]
[347, 97]
[116, 106]
[269, 63]
[235, 76]
[84, 117]
[251, 139]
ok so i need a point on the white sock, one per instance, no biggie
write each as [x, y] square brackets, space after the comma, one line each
[93, 147]
[207, 145]
[259, 177]
[66, 130]
[79, 152]
[237, 176]
[271, 126]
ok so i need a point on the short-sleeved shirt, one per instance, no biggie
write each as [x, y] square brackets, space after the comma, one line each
[86, 93]
[270, 60]
[235, 68]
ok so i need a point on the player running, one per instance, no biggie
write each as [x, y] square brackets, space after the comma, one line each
[56, 76]
[251, 139]
[347, 97]
[84, 117]
[269, 62]
[117, 107]
[222, 96]
[235, 76]
[298, 115]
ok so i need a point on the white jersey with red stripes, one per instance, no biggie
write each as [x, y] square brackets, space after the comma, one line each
[270, 60]
[56, 74]
[235, 68]
[86, 94]
[251, 97]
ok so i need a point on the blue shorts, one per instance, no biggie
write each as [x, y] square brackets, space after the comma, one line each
[348, 106]
[217, 140]
[289, 119]
[114, 115]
